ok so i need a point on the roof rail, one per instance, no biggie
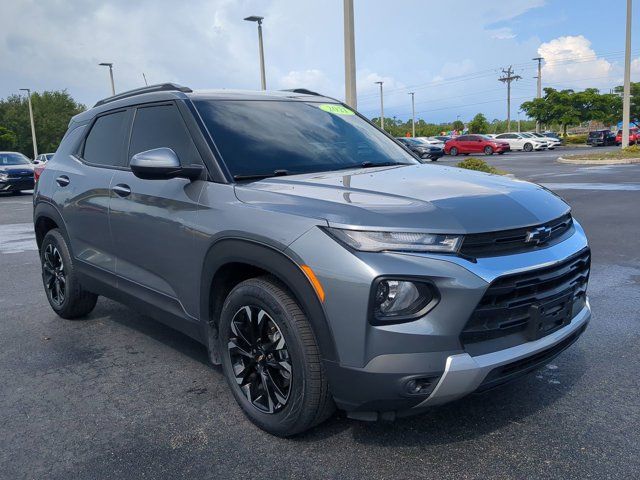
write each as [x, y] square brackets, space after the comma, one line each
[161, 87]
[303, 91]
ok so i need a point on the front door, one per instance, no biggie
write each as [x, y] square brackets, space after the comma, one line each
[151, 219]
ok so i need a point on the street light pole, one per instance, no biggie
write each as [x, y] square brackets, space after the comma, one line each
[381, 106]
[263, 76]
[539, 92]
[110, 65]
[626, 95]
[33, 126]
[349, 56]
[413, 114]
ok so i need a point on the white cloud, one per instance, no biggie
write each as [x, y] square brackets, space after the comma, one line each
[311, 79]
[503, 33]
[571, 59]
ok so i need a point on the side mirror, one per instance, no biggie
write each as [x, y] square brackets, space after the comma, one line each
[162, 164]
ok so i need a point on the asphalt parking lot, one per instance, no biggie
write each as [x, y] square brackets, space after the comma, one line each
[120, 396]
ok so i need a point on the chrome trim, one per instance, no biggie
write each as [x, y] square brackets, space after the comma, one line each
[463, 373]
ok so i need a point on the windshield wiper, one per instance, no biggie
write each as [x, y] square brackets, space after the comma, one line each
[384, 164]
[258, 176]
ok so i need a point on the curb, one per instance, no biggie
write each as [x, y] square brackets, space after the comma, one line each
[600, 161]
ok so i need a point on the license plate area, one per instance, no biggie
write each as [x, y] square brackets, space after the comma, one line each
[547, 317]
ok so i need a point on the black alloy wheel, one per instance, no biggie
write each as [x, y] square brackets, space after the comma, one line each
[260, 359]
[54, 275]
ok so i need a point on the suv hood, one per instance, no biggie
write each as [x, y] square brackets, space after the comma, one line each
[431, 198]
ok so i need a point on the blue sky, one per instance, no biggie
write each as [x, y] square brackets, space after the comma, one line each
[449, 53]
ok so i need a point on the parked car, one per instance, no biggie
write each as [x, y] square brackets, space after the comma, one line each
[431, 141]
[601, 138]
[467, 144]
[316, 259]
[552, 134]
[422, 150]
[16, 172]
[634, 136]
[518, 141]
[442, 138]
[43, 158]
[552, 142]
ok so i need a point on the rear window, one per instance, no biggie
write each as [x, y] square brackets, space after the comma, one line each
[258, 137]
[104, 144]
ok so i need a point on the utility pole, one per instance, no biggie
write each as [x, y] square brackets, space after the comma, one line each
[33, 125]
[349, 56]
[539, 93]
[110, 65]
[413, 114]
[263, 76]
[508, 78]
[381, 106]
[626, 95]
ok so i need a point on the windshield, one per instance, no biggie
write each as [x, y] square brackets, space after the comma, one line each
[260, 137]
[13, 159]
[412, 141]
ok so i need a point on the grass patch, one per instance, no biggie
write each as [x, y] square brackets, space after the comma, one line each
[575, 139]
[632, 151]
[479, 165]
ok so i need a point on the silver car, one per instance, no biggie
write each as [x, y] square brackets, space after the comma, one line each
[320, 263]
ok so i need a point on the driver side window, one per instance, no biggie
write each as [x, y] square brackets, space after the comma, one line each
[162, 126]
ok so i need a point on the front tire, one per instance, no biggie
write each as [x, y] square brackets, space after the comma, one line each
[61, 284]
[271, 360]
[527, 147]
[488, 150]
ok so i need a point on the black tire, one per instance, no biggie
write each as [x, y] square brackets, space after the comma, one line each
[453, 152]
[16, 192]
[434, 159]
[68, 299]
[528, 147]
[500, 153]
[488, 150]
[307, 401]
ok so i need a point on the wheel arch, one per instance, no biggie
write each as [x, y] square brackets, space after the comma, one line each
[47, 217]
[232, 260]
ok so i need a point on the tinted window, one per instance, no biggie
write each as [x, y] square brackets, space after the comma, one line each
[462, 138]
[103, 145]
[162, 126]
[259, 137]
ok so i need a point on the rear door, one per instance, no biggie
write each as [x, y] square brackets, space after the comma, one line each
[475, 143]
[81, 189]
[151, 220]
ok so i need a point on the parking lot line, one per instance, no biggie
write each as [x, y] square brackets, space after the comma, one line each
[17, 238]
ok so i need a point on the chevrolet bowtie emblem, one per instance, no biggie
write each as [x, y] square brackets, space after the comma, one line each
[538, 235]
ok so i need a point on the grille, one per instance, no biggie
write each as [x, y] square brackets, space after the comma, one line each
[534, 303]
[515, 240]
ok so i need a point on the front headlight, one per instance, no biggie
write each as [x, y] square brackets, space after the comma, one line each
[371, 241]
[3, 176]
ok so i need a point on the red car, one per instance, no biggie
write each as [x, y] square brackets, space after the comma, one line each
[467, 144]
[634, 136]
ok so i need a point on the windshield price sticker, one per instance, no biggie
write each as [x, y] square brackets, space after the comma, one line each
[336, 109]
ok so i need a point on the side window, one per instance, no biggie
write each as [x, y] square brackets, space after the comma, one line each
[463, 138]
[162, 126]
[103, 145]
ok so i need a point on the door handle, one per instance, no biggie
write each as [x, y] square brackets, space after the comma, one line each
[122, 190]
[63, 180]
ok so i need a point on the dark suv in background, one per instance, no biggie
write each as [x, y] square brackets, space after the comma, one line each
[601, 138]
[318, 260]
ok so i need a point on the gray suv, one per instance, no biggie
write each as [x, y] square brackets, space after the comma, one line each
[316, 258]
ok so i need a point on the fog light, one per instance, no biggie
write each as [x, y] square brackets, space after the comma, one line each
[401, 298]
[420, 386]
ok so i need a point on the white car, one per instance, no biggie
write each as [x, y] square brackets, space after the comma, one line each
[518, 141]
[552, 142]
[431, 141]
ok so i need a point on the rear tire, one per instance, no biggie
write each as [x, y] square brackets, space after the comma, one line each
[61, 284]
[263, 335]
[453, 152]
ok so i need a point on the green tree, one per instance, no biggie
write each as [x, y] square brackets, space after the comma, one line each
[635, 102]
[479, 124]
[457, 125]
[7, 139]
[52, 111]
